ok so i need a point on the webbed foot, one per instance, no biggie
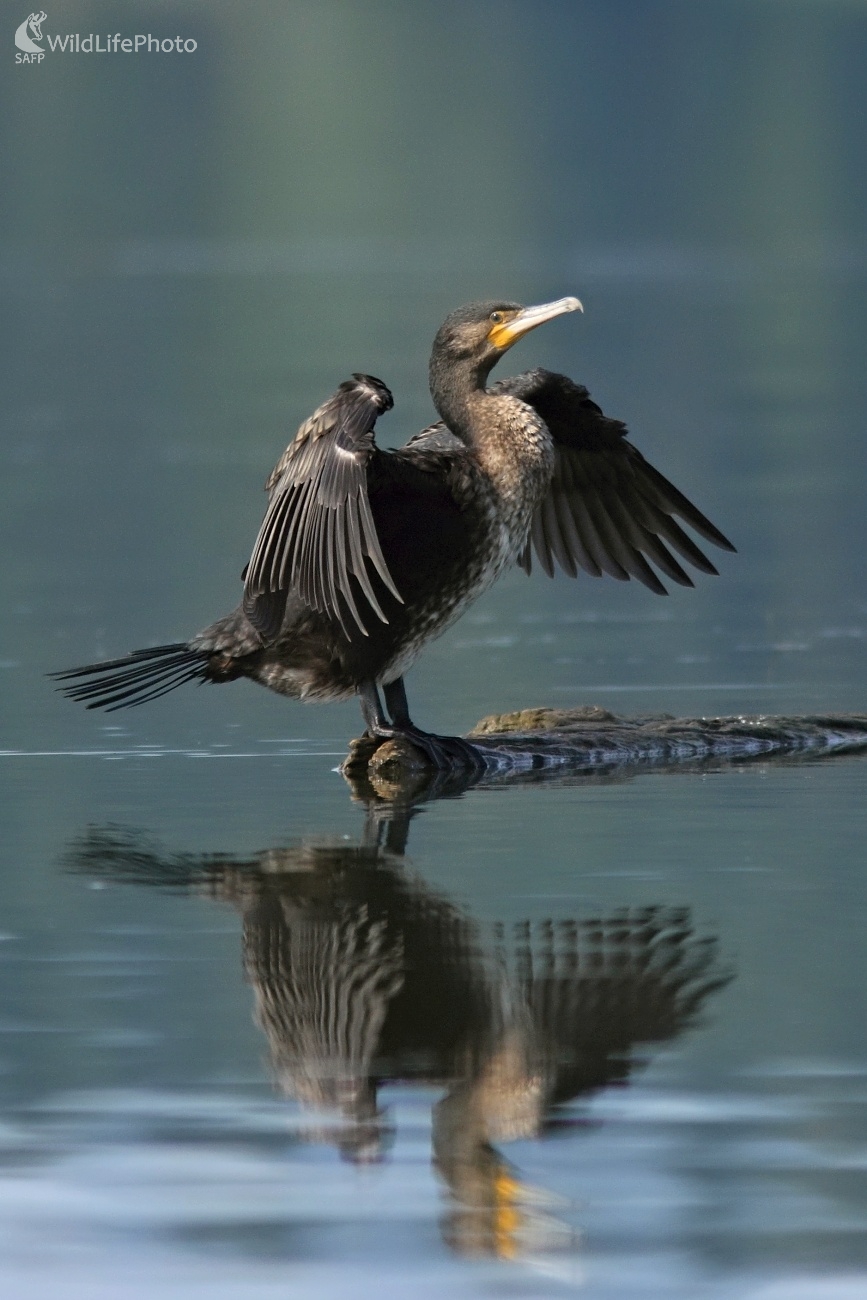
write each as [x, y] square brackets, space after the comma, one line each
[443, 753]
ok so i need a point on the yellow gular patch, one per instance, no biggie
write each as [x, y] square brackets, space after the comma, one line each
[502, 335]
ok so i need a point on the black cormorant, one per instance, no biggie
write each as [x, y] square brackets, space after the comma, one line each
[365, 555]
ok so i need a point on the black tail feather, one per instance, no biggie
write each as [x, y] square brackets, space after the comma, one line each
[138, 677]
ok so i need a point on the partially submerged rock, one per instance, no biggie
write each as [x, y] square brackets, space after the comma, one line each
[588, 736]
[526, 722]
[544, 744]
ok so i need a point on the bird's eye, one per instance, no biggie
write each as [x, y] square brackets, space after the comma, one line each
[496, 317]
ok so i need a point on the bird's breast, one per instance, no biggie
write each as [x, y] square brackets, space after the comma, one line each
[514, 456]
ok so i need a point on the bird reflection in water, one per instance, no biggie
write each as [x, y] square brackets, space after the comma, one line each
[363, 975]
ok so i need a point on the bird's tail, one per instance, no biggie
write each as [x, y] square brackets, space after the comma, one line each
[140, 676]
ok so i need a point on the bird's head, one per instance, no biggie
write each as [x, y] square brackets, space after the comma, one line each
[470, 342]
[482, 331]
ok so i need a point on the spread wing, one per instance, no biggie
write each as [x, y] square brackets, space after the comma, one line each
[318, 537]
[607, 510]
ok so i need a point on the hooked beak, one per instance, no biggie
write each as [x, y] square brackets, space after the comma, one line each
[503, 336]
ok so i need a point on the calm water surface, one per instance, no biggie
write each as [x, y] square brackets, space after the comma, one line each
[241, 1014]
[256, 1038]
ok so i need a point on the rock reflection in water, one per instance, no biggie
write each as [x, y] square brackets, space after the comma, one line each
[362, 974]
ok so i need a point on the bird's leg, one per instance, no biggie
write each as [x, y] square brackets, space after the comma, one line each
[371, 709]
[396, 702]
[457, 765]
[445, 752]
[379, 726]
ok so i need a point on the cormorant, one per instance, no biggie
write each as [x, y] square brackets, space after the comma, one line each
[365, 555]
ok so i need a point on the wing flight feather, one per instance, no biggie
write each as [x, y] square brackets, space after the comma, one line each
[607, 510]
[318, 537]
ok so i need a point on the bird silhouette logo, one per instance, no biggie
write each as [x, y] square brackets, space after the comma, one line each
[30, 32]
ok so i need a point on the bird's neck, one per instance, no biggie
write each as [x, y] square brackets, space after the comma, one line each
[509, 443]
[459, 395]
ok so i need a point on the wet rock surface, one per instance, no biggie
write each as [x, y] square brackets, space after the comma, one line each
[545, 744]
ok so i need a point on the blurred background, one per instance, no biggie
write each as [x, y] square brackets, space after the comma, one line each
[194, 250]
[198, 248]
